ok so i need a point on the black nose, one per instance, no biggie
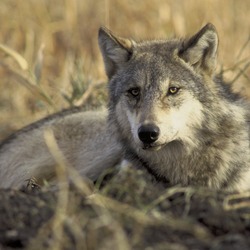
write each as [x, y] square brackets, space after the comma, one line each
[148, 133]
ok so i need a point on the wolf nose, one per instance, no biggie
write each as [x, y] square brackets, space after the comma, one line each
[148, 133]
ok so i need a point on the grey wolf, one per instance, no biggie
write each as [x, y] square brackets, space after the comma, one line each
[173, 115]
[82, 137]
[168, 113]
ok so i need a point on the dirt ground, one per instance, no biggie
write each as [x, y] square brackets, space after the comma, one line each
[129, 211]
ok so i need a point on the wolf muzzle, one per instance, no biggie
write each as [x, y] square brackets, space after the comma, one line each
[148, 133]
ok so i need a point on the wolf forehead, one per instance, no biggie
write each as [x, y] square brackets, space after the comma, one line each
[154, 59]
[160, 49]
[156, 54]
[159, 56]
[154, 64]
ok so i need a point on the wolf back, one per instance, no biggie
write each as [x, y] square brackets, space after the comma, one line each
[82, 137]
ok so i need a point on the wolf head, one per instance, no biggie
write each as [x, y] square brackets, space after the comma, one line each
[158, 89]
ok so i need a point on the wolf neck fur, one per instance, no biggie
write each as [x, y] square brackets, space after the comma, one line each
[175, 160]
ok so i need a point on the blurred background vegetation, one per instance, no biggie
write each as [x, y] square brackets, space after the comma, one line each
[49, 56]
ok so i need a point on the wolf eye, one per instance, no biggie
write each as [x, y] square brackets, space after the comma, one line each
[134, 92]
[173, 90]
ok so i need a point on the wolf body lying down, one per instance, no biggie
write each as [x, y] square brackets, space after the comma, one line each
[167, 112]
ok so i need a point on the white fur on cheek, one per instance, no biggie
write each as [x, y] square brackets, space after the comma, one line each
[133, 124]
[178, 123]
[185, 118]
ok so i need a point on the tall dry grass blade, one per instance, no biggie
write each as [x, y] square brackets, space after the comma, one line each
[241, 72]
[105, 216]
[243, 48]
[16, 56]
[71, 9]
[87, 94]
[107, 13]
[170, 192]
[164, 196]
[39, 63]
[63, 193]
[236, 65]
[83, 184]
[29, 84]
[237, 201]
[63, 171]
[145, 219]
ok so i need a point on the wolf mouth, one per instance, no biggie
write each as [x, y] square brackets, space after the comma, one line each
[152, 147]
[156, 147]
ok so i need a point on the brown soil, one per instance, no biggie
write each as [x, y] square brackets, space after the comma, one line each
[129, 212]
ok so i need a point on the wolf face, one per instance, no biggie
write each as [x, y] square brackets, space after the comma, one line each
[159, 86]
[172, 115]
[159, 113]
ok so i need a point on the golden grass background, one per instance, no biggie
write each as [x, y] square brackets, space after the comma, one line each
[58, 40]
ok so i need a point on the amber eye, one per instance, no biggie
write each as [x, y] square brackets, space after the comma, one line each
[173, 90]
[134, 92]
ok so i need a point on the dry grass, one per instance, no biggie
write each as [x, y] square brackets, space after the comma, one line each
[49, 60]
[60, 61]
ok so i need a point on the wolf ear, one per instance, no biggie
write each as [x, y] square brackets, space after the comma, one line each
[115, 50]
[200, 51]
